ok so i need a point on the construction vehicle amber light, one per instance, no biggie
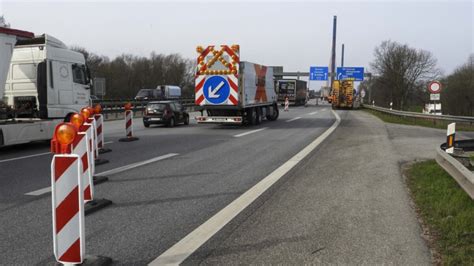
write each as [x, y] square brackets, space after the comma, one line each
[77, 120]
[65, 133]
[86, 113]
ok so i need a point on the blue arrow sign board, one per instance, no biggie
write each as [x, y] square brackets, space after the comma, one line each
[318, 73]
[355, 73]
[216, 90]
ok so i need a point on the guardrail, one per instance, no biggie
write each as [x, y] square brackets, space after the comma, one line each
[447, 118]
[463, 176]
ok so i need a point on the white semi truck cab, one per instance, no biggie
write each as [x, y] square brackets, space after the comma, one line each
[41, 83]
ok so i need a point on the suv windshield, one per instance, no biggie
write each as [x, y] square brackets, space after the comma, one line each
[157, 106]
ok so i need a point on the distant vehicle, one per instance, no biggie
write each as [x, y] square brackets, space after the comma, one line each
[165, 112]
[325, 93]
[294, 89]
[148, 95]
[343, 94]
[169, 91]
[233, 91]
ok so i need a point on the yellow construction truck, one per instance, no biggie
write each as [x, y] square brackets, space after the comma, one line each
[342, 94]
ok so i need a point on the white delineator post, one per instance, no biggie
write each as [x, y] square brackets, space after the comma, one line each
[68, 209]
[81, 148]
[451, 133]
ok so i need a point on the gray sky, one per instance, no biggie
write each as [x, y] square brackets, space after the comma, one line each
[293, 34]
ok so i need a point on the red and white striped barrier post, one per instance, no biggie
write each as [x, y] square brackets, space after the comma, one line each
[67, 198]
[450, 134]
[99, 118]
[128, 124]
[88, 114]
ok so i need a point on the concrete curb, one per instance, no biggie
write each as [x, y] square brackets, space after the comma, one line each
[461, 174]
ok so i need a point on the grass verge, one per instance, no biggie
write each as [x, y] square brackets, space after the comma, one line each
[446, 210]
[416, 122]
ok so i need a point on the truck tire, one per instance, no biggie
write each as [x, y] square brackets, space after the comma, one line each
[275, 113]
[258, 115]
[251, 116]
[2, 142]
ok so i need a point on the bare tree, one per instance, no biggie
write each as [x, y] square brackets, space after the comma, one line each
[401, 71]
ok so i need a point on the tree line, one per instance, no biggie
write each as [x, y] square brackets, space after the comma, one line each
[401, 75]
[126, 74]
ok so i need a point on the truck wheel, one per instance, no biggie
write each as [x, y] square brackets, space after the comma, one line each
[258, 116]
[275, 113]
[251, 116]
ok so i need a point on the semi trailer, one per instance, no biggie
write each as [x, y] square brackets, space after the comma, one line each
[230, 91]
[41, 83]
[342, 94]
[296, 91]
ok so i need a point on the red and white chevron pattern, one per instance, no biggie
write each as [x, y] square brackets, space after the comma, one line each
[129, 123]
[68, 210]
[88, 129]
[99, 118]
[80, 147]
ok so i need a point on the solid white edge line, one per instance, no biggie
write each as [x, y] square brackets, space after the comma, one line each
[24, 157]
[293, 119]
[190, 243]
[45, 190]
[108, 142]
[313, 113]
[249, 132]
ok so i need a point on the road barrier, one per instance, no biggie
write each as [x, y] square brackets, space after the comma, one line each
[81, 148]
[463, 176]
[128, 124]
[466, 120]
[67, 198]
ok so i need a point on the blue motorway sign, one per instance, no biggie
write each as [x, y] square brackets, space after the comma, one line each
[355, 73]
[216, 90]
[318, 73]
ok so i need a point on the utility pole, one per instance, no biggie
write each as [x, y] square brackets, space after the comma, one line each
[342, 56]
[333, 52]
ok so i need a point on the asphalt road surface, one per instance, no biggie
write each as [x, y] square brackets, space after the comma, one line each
[345, 203]
[157, 204]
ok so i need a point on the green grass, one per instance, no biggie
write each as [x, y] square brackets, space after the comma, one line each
[447, 211]
[417, 122]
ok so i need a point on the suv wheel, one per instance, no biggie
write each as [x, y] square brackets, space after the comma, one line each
[171, 124]
[186, 120]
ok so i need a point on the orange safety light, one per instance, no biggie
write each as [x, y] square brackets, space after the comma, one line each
[91, 110]
[64, 135]
[77, 120]
[128, 106]
[86, 113]
[97, 109]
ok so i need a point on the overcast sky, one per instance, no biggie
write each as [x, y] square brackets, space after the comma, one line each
[295, 35]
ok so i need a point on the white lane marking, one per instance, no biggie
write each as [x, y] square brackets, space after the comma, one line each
[293, 119]
[111, 172]
[313, 113]
[24, 157]
[36, 155]
[39, 192]
[190, 243]
[135, 165]
[249, 132]
[324, 109]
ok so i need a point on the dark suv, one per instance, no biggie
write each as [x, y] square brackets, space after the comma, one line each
[165, 112]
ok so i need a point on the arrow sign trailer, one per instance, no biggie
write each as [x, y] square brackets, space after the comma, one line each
[216, 90]
[354, 73]
[434, 87]
[318, 73]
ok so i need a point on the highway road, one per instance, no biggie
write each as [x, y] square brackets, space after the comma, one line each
[196, 171]
[345, 203]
